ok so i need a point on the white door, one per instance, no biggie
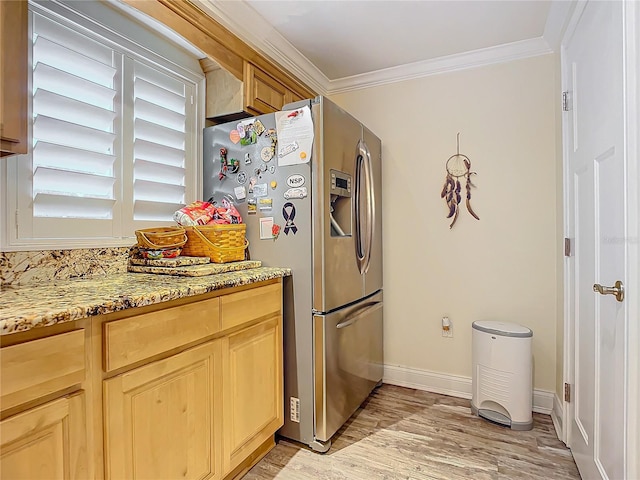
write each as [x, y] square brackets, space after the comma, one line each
[595, 166]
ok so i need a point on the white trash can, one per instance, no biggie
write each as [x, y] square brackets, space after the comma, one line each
[502, 383]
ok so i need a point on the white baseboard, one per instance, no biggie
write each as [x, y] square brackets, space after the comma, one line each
[557, 416]
[453, 385]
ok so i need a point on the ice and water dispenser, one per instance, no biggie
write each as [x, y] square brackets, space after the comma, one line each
[340, 210]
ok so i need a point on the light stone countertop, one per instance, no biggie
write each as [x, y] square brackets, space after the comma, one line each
[30, 306]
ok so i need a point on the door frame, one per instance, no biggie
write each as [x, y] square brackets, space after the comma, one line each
[631, 96]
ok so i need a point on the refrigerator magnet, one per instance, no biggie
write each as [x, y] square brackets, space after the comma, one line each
[265, 204]
[247, 158]
[240, 192]
[293, 193]
[252, 183]
[234, 165]
[266, 227]
[272, 169]
[241, 178]
[252, 206]
[267, 153]
[275, 231]
[260, 190]
[258, 127]
[295, 180]
[250, 135]
[234, 136]
[289, 213]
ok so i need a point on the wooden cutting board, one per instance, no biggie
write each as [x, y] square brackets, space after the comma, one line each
[195, 270]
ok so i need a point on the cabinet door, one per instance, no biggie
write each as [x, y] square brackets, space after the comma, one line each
[14, 39]
[252, 386]
[263, 93]
[291, 97]
[159, 418]
[45, 442]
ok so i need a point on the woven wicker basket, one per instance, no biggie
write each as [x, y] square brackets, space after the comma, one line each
[221, 243]
[161, 238]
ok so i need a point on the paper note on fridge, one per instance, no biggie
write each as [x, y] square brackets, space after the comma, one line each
[266, 228]
[295, 136]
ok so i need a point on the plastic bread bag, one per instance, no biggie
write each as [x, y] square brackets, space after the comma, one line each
[226, 212]
[196, 213]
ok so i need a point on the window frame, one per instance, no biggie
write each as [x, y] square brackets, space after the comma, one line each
[132, 47]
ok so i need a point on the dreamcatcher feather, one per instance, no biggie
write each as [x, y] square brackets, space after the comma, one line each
[457, 166]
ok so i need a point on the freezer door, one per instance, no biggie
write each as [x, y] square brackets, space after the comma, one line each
[348, 362]
[337, 277]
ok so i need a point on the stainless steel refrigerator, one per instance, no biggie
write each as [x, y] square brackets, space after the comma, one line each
[328, 208]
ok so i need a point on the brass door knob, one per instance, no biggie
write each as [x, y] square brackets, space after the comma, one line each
[617, 290]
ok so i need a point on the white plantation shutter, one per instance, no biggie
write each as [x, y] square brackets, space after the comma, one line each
[160, 143]
[75, 138]
[115, 136]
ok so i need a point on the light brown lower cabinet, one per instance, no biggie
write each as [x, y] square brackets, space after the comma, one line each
[191, 389]
[160, 419]
[252, 386]
[46, 442]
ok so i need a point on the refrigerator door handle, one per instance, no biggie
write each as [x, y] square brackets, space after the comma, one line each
[365, 310]
[371, 213]
[361, 252]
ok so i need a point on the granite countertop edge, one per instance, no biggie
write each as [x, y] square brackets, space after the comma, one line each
[25, 307]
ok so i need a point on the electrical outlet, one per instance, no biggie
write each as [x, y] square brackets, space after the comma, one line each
[447, 327]
[294, 409]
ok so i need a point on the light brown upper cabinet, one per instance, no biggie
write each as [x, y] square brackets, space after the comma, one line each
[263, 93]
[13, 77]
[240, 81]
[229, 98]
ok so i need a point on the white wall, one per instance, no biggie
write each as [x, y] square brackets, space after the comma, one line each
[502, 267]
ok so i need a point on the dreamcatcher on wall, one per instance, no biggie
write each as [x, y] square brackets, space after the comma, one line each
[458, 166]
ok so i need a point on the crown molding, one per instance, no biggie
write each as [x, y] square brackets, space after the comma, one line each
[251, 28]
[248, 25]
[461, 61]
[557, 21]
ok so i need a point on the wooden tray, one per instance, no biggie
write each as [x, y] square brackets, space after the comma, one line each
[196, 270]
[170, 262]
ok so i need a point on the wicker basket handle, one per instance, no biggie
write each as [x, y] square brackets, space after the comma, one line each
[164, 247]
[208, 242]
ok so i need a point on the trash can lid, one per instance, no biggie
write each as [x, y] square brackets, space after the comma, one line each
[503, 329]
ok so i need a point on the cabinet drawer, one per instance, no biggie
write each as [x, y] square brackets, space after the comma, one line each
[37, 368]
[242, 307]
[132, 339]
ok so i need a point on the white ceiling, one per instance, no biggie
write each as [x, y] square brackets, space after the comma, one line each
[339, 45]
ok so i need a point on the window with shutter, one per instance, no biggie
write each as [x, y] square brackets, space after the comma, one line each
[75, 139]
[115, 139]
[159, 141]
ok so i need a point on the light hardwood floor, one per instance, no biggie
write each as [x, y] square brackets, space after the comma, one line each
[401, 433]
